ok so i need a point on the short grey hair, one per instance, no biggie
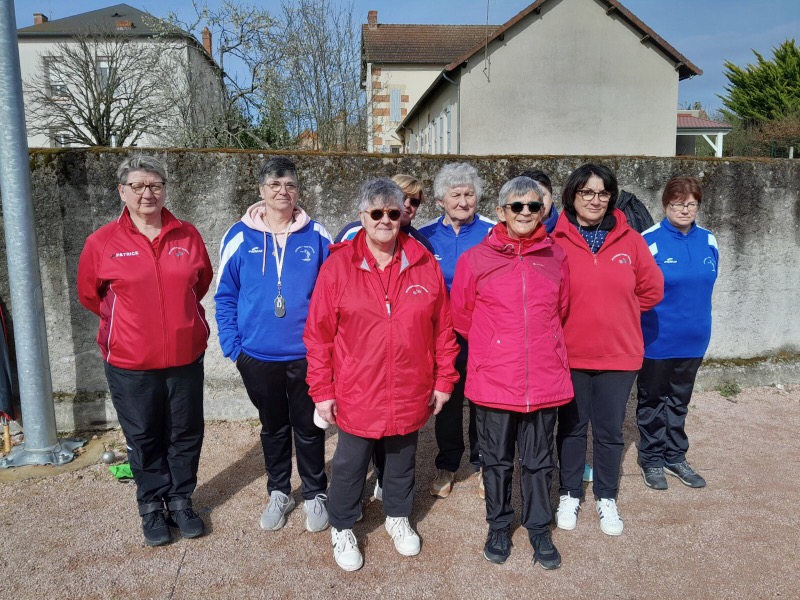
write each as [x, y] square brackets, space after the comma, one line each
[141, 162]
[275, 168]
[383, 193]
[518, 187]
[455, 175]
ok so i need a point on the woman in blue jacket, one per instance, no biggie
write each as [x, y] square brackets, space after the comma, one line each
[676, 334]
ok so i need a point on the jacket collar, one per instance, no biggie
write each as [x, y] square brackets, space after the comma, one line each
[498, 239]
[168, 220]
[675, 231]
[410, 251]
[566, 230]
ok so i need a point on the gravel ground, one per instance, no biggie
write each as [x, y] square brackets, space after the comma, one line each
[76, 533]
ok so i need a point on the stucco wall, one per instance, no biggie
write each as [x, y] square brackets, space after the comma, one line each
[752, 206]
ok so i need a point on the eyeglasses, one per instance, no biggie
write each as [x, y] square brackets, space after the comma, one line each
[588, 195]
[276, 186]
[415, 202]
[376, 214]
[678, 207]
[516, 207]
[138, 187]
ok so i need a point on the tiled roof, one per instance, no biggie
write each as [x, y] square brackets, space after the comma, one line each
[684, 66]
[690, 122]
[436, 44]
[103, 20]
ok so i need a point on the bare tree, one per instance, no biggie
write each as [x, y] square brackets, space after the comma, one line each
[97, 90]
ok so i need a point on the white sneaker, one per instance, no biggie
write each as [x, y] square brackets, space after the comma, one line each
[378, 493]
[610, 523]
[567, 513]
[406, 541]
[345, 549]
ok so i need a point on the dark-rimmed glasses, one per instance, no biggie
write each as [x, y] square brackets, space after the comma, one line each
[138, 188]
[588, 195]
[678, 206]
[376, 214]
[516, 207]
[275, 186]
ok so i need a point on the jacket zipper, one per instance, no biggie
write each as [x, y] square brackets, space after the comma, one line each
[525, 311]
[157, 264]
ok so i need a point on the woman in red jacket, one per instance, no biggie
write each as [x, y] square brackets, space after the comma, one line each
[381, 354]
[144, 275]
[613, 279]
[509, 296]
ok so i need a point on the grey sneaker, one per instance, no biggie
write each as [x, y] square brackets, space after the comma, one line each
[316, 513]
[654, 478]
[378, 493]
[274, 516]
[684, 471]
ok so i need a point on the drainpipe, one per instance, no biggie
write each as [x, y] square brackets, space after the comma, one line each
[41, 446]
[458, 114]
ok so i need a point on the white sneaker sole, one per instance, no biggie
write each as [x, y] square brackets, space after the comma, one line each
[349, 567]
[565, 527]
[613, 533]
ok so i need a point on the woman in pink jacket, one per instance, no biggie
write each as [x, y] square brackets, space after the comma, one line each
[508, 299]
[381, 354]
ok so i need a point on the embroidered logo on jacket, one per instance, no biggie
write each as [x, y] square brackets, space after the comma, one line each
[710, 261]
[255, 250]
[622, 259]
[125, 254]
[178, 251]
[670, 261]
[416, 289]
[305, 253]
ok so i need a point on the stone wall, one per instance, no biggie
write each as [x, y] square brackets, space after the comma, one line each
[753, 206]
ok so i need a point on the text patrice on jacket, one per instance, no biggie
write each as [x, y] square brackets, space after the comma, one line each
[380, 368]
[247, 285]
[680, 325]
[146, 294]
[508, 300]
[608, 292]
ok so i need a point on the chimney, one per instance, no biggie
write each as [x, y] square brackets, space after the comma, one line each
[207, 40]
[39, 18]
[372, 19]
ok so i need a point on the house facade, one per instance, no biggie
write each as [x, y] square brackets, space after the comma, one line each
[583, 77]
[185, 68]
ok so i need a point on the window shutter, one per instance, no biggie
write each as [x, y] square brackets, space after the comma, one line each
[394, 105]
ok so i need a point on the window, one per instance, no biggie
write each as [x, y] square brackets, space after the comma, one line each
[441, 135]
[394, 106]
[449, 112]
[103, 71]
[58, 140]
[394, 149]
[55, 77]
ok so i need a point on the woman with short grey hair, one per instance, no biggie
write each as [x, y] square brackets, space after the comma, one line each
[381, 349]
[457, 188]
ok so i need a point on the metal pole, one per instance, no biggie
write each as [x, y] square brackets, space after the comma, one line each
[41, 446]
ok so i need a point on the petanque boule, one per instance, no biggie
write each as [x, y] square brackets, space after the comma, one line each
[108, 457]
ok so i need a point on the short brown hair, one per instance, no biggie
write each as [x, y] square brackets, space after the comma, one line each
[679, 188]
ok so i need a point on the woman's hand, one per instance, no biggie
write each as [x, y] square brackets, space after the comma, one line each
[327, 410]
[437, 401]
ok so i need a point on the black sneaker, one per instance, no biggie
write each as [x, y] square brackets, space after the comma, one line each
[155, 529]
[654, 478]
[684, 471]
[189, 523]
[498, 546]
[545, 552]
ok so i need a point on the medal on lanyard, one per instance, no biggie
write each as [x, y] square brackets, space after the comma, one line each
[280, 303]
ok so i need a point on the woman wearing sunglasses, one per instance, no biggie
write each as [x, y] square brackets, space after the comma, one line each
[381, 350]
[508, 299]
[613, 279]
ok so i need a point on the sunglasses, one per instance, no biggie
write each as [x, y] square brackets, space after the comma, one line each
[516, 207]
[376, 214]
[415, 202]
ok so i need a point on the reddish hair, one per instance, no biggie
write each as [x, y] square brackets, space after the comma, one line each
[679, 188]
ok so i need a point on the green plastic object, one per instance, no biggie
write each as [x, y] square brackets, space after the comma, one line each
[122, 471]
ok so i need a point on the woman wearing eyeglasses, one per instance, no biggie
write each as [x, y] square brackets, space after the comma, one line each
[381, 350]
[676, 334]
[613, 279]
[509, 297]
[144, 275]
[268, 266]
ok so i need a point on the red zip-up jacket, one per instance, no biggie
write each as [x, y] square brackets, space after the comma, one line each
[608, 291]
[147, 295]
[508, 299]
[380, 365]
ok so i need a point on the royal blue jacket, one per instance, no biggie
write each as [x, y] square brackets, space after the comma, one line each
[680, 325]
[247, 285]
[448, 245]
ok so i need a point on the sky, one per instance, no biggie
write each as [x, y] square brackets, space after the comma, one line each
[707, 32]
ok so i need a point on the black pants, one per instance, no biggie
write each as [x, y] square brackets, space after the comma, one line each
[161, 414]
[600, 398]
[500, 432]
[449, 429]
[349, 470]
[280, 393]
[665, 389]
